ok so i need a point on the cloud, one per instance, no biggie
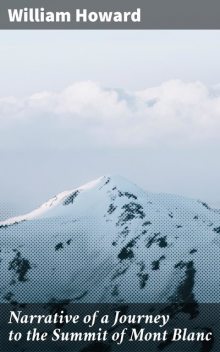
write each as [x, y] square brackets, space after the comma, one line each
[87, 115]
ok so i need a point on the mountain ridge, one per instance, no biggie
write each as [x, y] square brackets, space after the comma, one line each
[63, 196]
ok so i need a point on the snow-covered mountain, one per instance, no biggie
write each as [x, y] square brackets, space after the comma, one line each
[110, 241]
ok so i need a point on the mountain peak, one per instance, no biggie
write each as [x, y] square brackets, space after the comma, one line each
[67, 197]
[97, 239]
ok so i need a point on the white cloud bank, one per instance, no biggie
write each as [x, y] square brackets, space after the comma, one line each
[86, 114]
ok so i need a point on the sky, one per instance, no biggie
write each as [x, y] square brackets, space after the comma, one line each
[75, 105]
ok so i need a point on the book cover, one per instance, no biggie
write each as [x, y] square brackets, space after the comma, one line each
[109, 157]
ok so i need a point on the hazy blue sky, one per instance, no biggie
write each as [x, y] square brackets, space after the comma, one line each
[38, 60]
[75, 105]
